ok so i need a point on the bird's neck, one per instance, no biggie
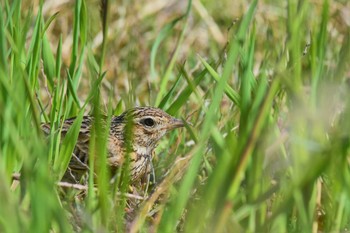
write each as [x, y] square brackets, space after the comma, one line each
[142, 150]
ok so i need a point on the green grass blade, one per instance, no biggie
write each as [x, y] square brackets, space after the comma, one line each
[232, 94]
[184, 95]
[67, 146]
[165, 78]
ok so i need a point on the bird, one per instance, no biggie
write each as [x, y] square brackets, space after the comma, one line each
[149, 125]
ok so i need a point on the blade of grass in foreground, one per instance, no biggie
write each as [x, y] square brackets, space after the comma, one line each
[216, 182]
[47, 54]
[99, 136]
[34, 51]
[9, 208]
[170, 93]
[3, 47]
[67, 146]
[232, 94]
[98, 172]
[185, 94]
[177, 206]
[318, 65]
[166, 76]
[77, 57]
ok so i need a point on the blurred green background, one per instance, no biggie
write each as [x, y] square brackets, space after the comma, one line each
[265, 85]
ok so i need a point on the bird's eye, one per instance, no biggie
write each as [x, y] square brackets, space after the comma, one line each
[148, 122]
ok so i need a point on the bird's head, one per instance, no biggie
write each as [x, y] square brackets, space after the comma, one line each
[148, 125]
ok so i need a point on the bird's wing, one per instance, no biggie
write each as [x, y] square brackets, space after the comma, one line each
[80, 154]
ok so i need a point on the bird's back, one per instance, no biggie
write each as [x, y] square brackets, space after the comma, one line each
[133, 146]
[79, 163]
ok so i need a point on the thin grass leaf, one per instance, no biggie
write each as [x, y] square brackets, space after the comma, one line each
[170, 93]
[72, 90]
[59, 59]
[246, 88]
[184, 95]
[210, 198]
[104, 19]
[48, 61]
[321, 44]
[343, 58]
[49, 21]
[3, 47]
[118, 109]
[47, 55]
[169, 219]
[232, 94]
[161, 36]
[167, 73]
[55, 117]
[7, 210]
[83, 23]
[76, 30]
[34, 52]
[67, 146]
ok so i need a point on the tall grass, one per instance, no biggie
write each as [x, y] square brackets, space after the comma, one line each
[267, 147]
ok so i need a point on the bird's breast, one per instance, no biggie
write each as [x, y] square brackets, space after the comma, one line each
[140, 165]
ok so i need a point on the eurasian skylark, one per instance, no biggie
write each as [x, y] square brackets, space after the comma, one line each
[148, 126]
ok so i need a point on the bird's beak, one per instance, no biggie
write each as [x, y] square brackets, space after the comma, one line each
[175, 123]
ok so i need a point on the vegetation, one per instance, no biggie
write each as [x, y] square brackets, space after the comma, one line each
[265, 86]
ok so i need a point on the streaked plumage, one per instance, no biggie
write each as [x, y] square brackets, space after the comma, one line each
[148, 126]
